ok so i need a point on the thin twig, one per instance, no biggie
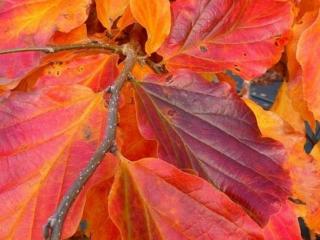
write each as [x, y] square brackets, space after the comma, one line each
[53, 229]
[156, 67]
[54, 49]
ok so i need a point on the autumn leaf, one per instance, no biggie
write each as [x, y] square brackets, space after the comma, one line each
[284, 107]
[155, 16]
[95, 71]
[96, 213]
[47, 137]
[77, 35]
[109, 10]
[132, 144]
[206, 127]
[304, 169]
[22, 26]
[246, 37]
[305, 172]
[295, 90]
[151, 199]
[308, 57]
[283, 225]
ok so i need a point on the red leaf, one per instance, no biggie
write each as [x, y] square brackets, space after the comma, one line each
[283, 225]
[245, 36]
[207, 127]
[47, 138]
[151, 199]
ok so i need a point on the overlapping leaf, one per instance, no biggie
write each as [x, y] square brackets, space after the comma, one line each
[295, 85]
[283, 225]
[132, 144]
[95, 71]
[206, 127]
[109, 10]
[96, 213]
[151, 199]
[244, 36]
[304, 169]
[31, 23]
[155, 16]
[308, 57]
[46, 139]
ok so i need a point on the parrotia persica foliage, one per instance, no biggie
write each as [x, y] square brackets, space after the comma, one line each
[194, 159]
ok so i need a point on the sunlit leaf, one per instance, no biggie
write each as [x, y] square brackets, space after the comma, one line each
[47, 138]
[31, 23]
[207, 127]
[283, 106]
[308, 56]
[96, 71]
[109, 10]
[304, 169]
[244, 36]
[295, 88]
[155, 16]
[151, 199]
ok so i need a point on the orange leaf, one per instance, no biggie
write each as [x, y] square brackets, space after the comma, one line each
[283, 106]
[27, 23]
[304, 169]
[155, 16]
[47, 138]
[77, 35]
[151, 199]
[96, 213]
[273, 126]
[109, 10]
[308, 54]
[126, 19]
[295, 88]
[95, 71]
[132, 144]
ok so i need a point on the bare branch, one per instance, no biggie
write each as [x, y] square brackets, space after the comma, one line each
[53, 229]
[156, 67]
[54, 49]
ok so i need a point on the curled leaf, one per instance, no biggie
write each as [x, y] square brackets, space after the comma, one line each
[155, 16]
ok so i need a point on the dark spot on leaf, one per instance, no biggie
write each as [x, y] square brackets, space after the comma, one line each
[171, 112]
[169, 79]
[58, 73]
[237, 68]
[245, 54]
[81, 69]
[87, 133]
[203, 49]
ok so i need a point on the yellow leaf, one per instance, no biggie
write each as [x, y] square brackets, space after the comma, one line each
[109, 10]
[155, 16]
[283, 106]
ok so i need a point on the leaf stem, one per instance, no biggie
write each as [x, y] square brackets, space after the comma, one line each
[53, 228]
[60, 48]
